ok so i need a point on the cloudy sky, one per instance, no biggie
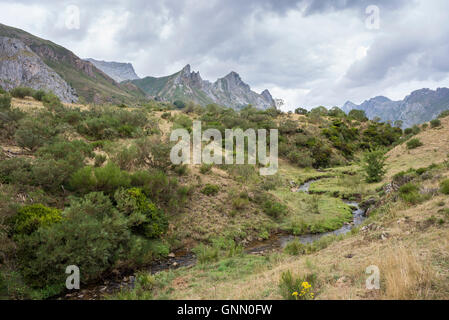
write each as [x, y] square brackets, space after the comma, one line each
[307, 52]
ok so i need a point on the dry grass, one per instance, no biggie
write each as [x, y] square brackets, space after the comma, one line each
[434, 150]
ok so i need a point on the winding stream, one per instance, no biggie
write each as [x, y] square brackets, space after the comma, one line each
[184, 258]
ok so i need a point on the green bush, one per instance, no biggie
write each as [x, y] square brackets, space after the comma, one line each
[39, 95]
[88, 237]
[444, 114]
[374, 166]
[21, 92]
[5, 102]
[74, 152]
[107, 179]
[274, 209]
[435, 123]
[414, 143]
[295, 248]
[143, 215]
[444, 187]
[34, 132]
[358, 115]
[210, 190]
[30, 218]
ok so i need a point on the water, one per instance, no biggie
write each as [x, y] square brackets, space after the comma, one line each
[184, 258]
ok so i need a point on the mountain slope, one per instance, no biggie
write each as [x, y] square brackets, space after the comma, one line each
[116, 70]
[229, 91]
[91, 84]
[19, 66]
[418, 107]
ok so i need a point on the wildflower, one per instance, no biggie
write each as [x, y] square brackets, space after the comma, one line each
[295, 294]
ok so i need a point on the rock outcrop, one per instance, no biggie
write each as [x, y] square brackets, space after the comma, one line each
[116, 70]
[21, 67]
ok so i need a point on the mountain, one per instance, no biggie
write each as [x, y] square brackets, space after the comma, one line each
[19, 66]
[90, 83]
[229, 91]
[418, 107]
[116, 70]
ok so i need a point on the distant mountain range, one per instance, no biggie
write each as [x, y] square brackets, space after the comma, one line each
[418, 107]
[185, 85]
[116, 70]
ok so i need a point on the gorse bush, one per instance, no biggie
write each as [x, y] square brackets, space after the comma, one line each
[143, 215]
[435, 123]
[414, 143]
[34, 132]
[107, 179]
[210, 190]
[30, 218]
[22, 92]
[91, 238]
[297, 288]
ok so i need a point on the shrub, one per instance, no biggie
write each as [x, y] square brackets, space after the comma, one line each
[374, 166]
[92, 239]
[143, 215]
[295, 248]
[21, 92]
[99, 160]
[51, 174]
[294, 288]
[34, 132]
[74, 152]
[181, 170]
[358, 115]
[30, 218]
[107, 179]
[205, 253]
[444, 187]
[414, 143]
[435, 123]
[444, 114]
[210, 190]
[274, 209]
[5, 102]
[39, 95]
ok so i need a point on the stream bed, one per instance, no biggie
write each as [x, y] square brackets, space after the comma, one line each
[185, 258]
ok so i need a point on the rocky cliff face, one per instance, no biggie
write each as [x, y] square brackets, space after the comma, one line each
[418, 107]
[229, 91]
[116, 70]
[20, 66]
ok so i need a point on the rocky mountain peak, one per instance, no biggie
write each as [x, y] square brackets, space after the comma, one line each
[20, 66]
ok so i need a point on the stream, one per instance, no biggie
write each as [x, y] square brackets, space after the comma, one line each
[185, 258]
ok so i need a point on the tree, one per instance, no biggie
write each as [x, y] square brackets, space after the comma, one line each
[374, 166]
[301, 111]
[358, 115]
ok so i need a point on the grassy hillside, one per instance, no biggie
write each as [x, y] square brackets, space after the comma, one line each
[101, 179]
[91, 84]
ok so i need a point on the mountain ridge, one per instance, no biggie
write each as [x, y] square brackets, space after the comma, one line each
[188, 85]
[419, 106]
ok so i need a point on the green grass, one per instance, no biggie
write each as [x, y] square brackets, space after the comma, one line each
[333, 212]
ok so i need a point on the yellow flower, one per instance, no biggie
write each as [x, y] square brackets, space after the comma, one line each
[295, 294]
